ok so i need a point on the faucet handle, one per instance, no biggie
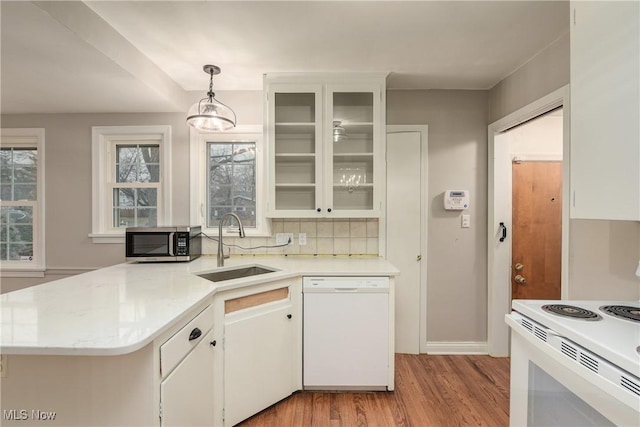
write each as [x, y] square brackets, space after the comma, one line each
[227, 256]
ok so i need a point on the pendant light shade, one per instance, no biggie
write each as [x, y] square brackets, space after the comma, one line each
[209, 114]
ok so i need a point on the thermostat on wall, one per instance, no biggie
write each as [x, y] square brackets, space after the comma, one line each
[456, 200]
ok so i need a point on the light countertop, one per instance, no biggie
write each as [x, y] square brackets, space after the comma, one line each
[120, 309]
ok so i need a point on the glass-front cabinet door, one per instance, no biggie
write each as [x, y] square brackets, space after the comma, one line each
[325, 142]
[295, 147]
[351, 141]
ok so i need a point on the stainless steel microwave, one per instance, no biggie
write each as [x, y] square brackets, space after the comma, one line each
[163, 244]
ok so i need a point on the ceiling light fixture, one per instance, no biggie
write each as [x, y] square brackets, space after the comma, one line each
[339, 133]
[209, 114]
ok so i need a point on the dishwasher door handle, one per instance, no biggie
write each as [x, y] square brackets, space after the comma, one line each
[345, 289]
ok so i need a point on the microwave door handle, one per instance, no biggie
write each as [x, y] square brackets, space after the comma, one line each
[171, 243]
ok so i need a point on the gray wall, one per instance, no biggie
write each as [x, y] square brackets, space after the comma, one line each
[546, 72]
[69, 249]
[456, 258]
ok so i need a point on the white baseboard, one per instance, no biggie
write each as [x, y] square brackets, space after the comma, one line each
[462, 347]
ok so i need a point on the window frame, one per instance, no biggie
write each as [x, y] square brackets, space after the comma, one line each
[26, 138]
[198, 177]
[104, 141]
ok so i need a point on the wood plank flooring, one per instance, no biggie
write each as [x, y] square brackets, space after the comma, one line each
[430, 391]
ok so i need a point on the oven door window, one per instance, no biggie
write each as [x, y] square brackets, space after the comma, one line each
[552, 404]
[150, 244]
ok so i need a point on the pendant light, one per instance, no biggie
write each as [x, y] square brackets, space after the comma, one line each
[209, 114]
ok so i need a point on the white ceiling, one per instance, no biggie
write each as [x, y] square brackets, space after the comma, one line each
[147, 56]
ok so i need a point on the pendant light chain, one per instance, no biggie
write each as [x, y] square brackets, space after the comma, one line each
[211, 93]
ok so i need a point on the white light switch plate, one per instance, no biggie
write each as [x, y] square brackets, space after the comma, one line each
[302, 239]
[466, 221]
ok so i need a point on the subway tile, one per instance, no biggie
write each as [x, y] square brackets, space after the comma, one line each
[340, 229]
[310, 248]
[292, 227]
[324, 246]
[277, 227]
[372, 228]
[310, 228]
[324, 229]
[372, 246]
[341, 246]
[358, 246]
[357, 229]
[293, 249]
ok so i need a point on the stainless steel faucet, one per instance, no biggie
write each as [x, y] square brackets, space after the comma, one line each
[220, 247]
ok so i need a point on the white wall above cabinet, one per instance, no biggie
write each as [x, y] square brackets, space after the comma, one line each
[605, 110]
[325, 142]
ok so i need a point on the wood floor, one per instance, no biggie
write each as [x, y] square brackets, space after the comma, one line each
[430, 391]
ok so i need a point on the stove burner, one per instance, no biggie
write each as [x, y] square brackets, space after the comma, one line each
[623, 311]
[571, 311]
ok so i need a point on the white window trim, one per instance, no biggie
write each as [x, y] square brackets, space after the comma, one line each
[24, 137]
[198, 177]
[102, 139]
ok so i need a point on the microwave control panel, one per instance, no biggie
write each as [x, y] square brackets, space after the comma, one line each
[182, 243]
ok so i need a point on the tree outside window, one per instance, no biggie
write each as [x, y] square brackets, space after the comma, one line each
[18, 197]
[135, 192]
[231, 183]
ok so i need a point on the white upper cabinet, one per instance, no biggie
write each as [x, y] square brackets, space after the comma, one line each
[325, 139]
[605, 110]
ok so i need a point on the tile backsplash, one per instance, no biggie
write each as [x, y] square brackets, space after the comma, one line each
[349, 236]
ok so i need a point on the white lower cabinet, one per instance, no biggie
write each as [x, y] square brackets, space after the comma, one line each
[262, 349]
[187, 374]
[186, 395]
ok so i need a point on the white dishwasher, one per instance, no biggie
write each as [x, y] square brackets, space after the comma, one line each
[345, 333]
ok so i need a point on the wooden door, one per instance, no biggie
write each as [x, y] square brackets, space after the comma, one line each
[537, 230]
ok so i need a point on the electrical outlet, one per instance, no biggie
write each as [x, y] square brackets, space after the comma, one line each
[302, 239]
[466, 221]
[3, 365]
[284, 238]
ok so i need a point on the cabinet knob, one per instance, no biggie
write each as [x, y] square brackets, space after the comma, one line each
[195, 334]
[213, 343]
[329, 210]
[288, 316]
[319, 210]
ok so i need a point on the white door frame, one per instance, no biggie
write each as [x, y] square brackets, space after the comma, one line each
[424, 197]
[498, 283]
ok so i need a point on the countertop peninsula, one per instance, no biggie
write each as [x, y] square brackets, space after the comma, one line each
[119, 309]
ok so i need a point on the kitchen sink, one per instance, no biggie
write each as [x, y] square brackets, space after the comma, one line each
[236, 273]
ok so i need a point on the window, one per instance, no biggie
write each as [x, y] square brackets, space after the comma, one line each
[231, 182]
[136, 184]
[226, 176]
[131, 179]
[22, 202]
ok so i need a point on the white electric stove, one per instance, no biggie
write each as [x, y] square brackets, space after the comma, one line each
[575, 362]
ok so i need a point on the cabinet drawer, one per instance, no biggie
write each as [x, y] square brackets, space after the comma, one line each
[180, 344]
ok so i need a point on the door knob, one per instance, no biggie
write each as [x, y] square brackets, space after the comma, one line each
[519, 279]
[518, 266]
